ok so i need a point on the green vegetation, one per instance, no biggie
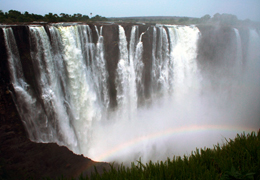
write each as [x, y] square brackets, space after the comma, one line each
[217, 19]
[14, 16]
[158, 20]
[223, 19]
[236, 159]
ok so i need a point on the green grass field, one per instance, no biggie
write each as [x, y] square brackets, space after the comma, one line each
[236, 159]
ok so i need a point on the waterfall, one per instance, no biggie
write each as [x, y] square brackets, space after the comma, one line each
[160, 83]
[25, 102]
[71, 77]
[132, 71]
[125, 79]
[161, 61]
[154, 63]
[239, 55]
[129, 71]
[50, 94]
[139, 66]
[101, 71]
[183, 56]
[14, 57]
[174, 65]
[130, 88]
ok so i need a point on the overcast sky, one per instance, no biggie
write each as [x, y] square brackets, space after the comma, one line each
[243, 9]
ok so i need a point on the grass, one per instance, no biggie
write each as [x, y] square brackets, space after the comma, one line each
[236, 159]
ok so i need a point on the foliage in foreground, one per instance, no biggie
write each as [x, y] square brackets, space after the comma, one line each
[236, 159]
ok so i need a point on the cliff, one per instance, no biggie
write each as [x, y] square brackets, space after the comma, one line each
[21, 158]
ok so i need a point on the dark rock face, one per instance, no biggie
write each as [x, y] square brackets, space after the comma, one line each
[215, 43]
[110, 34]
[111, 38]
[147, 56]
[4, 74]
[244, 34]
[22, 159]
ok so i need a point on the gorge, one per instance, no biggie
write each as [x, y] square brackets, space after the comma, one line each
[119, 92]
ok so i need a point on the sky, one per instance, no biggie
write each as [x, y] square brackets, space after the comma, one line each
[243, 9]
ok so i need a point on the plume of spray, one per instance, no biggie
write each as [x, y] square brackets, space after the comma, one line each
[202, 109]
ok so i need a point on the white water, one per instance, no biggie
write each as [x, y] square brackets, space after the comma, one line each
[160, 68]
[129, 73]
[101, 72]
[125, 79]
[73, 97]
[175, 75]
[183, 53]
[239, 54]
[25, 103]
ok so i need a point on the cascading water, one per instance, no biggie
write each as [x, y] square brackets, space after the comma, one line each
[25, 103]
[129, 72]
[239, 55]
[139, 66]
[50, 93]
[183, 53]
[69, 99]
[101, 72]
[125, 79]
[160, 61]
[84, 81]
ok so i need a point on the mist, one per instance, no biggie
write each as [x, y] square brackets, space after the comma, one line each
[169, 128]
[219, 101]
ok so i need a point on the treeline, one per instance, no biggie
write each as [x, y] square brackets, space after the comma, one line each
[226, 19]
[217, 19]
[14, 16]
[160, 19]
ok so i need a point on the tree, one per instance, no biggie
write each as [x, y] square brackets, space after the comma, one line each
[50, 17]
[76, 17]
[16, 16]
[183, 19]
[98, 18]
[216, 17]
[27, 17]
[85, 18]
[2, 16]
[228, 19]
[14, 13]
[205, 18]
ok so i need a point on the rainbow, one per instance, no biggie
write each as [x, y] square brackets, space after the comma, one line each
[170, 132]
